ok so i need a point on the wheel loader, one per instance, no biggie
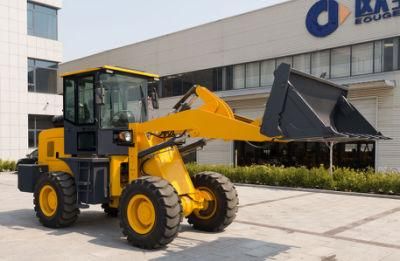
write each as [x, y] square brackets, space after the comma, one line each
[105, 150]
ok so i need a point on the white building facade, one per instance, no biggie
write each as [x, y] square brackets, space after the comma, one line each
[29, 58]
[350, 42]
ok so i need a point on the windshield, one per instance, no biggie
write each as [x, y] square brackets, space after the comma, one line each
[125, 100]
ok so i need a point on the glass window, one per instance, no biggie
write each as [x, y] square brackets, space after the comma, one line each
[362, 58]
[252, 75]
[69, 100]
[287, 60]
[302, 62]
[391, 54]
[267, 72]
[125, 100]
[238, 76]
[37, 123]
[42, 21]
[42, 76]
[30, 18]
[320, 64]
[85, 100]
[398, 53]
[227, 80]
[340, 62]
[378, 56]
[46, 80]
[388, 55]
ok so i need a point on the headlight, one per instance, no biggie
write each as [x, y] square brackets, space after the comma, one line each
[125, 136]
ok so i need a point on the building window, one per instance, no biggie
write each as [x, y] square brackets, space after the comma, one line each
[37, 123]
[287, 60]
[42, 76]
[320, 64]
[252, 75]
[267, 72]
[362, 58]
[238, 76]
[340, 62]
[390, 54]
[365, 58]
[302, 63]
[378, 56]
[359, 155]
[42, 21]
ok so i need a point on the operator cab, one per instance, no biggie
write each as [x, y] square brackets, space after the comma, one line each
[99, 103]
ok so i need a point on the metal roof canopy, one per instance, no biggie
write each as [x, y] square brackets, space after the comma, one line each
[113, 68]
[302, 107]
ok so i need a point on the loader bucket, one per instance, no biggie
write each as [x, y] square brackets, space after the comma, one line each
[302, 107]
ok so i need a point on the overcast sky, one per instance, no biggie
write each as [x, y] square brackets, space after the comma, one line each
[91, 26]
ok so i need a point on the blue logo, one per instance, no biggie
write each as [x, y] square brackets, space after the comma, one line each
[337, 14]
[368, 11]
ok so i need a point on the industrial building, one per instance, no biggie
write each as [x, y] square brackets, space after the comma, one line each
[29, 58]
[354, 43]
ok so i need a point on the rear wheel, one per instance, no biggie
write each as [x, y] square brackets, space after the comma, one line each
[55, 200]
[221, 202]
[150, 212]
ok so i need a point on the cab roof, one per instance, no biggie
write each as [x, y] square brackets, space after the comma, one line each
[114, 68]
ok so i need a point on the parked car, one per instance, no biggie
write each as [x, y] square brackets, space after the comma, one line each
[31, 158]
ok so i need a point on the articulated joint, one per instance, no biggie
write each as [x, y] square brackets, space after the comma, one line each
[194, 201]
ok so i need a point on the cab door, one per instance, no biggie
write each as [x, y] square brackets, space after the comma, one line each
[80, 129]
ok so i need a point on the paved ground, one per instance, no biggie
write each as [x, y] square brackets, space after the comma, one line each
[271, 224]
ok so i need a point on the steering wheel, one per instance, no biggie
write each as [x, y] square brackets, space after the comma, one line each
[122, 118]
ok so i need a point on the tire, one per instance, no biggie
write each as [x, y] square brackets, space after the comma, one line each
[150, 193]
[62, 187]
[221, 212]
[111, 212]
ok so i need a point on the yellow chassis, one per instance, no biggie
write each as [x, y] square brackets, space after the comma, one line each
[213, 119]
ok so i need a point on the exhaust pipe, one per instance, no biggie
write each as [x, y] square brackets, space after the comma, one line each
[302, 107]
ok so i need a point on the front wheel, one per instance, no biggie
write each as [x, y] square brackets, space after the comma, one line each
[150, 212]
[221, 202]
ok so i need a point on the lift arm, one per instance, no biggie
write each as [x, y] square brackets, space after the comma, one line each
[214, 119]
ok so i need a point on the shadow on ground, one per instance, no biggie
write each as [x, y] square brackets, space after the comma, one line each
[223, 248]
[105, 232]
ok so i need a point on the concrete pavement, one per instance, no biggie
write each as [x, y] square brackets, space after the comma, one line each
[272, 224]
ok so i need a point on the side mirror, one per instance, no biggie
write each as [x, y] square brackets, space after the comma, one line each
[154, 98]
[100, 96]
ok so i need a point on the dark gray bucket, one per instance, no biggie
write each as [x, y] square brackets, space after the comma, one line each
[302, 107]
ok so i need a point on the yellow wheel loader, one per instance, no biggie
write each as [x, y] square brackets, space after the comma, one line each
[104, 150]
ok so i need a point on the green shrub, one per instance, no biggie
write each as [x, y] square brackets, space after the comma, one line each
[7, 165]
[342, 179]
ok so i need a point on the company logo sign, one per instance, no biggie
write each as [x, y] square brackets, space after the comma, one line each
[366, 11]
[337, 14]
[372, 11]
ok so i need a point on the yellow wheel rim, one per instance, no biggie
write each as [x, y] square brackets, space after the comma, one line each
[141, 214]
[210, 204]
[48, 200]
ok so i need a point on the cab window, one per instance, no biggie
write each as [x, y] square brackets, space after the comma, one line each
[86, 100]
[69, 100]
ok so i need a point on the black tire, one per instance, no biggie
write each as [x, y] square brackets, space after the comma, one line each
[226, 207]
[167, 207]
[66, 212]
[110, 211]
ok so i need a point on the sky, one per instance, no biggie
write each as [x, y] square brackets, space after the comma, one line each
[90, 26]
